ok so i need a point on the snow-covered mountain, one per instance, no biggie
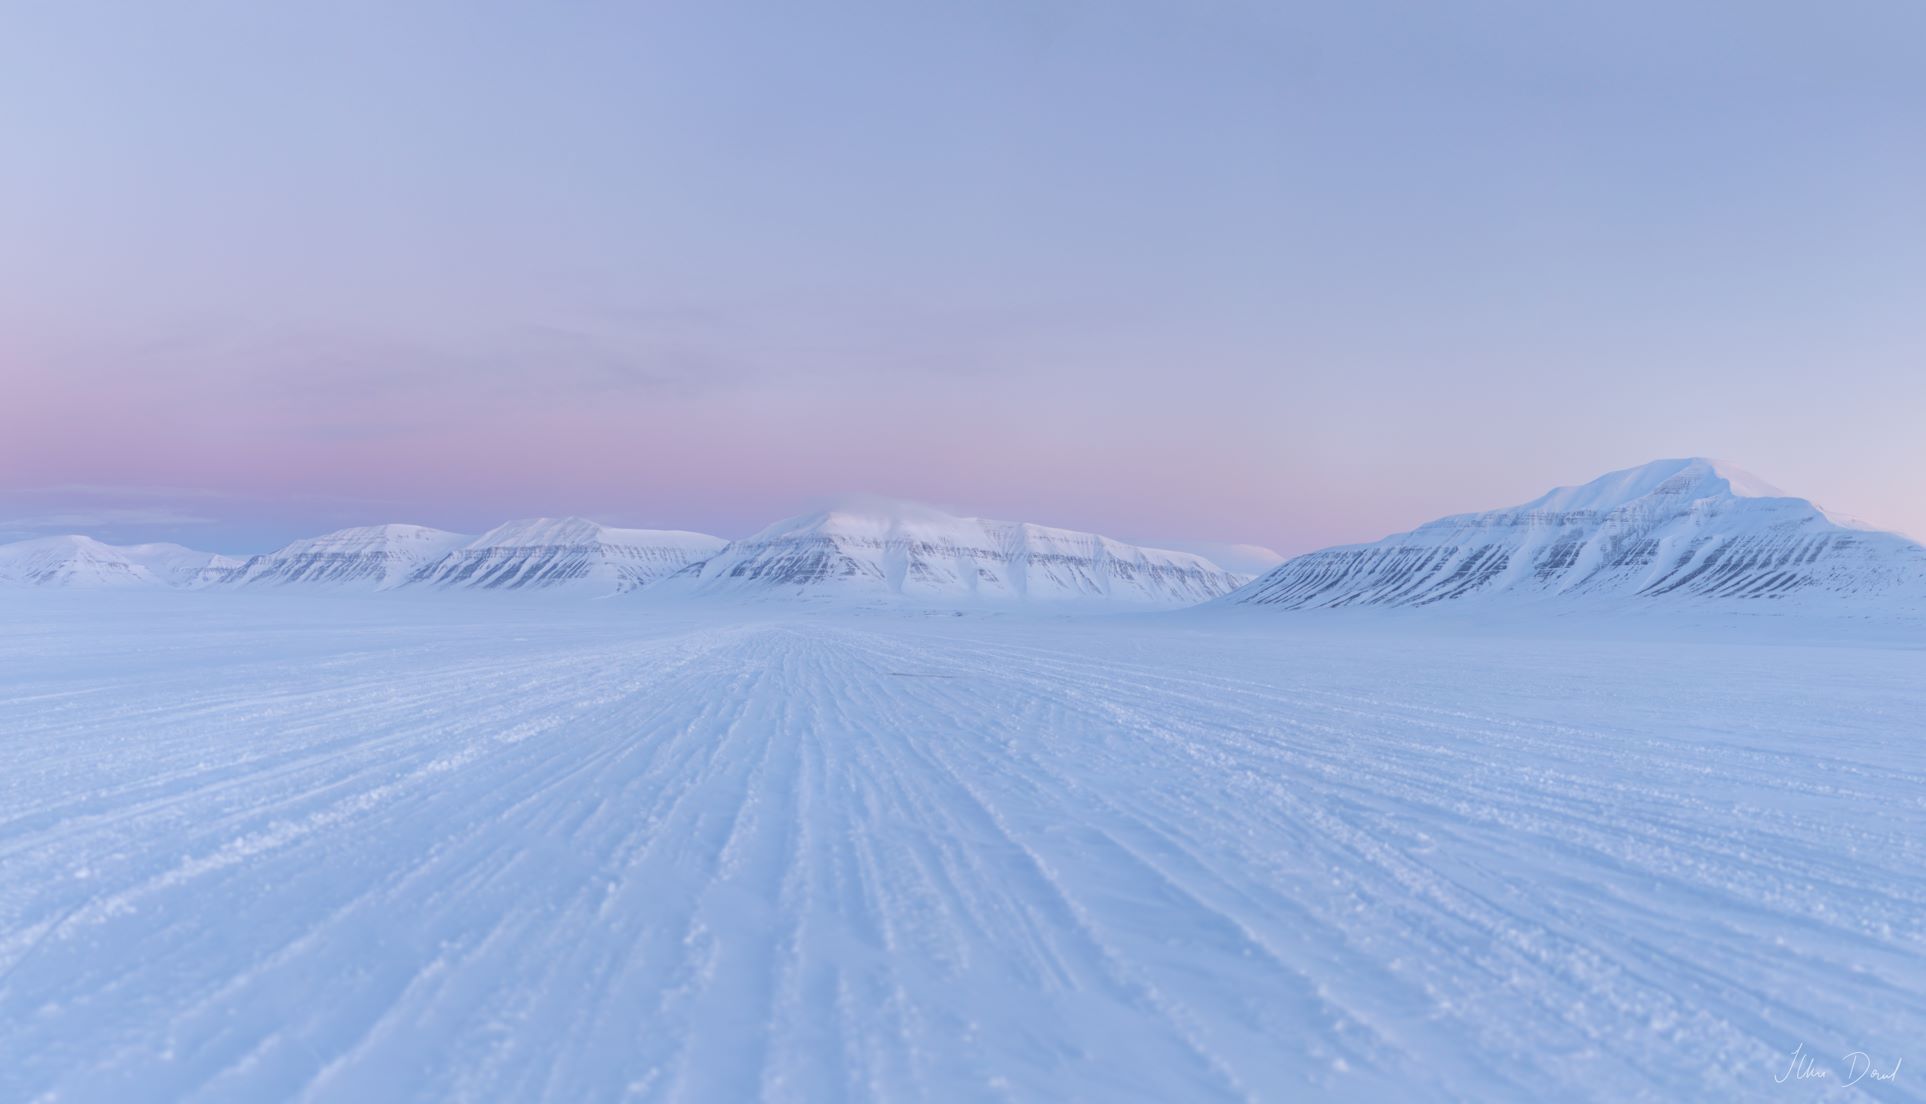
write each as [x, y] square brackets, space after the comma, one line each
[1692, 530]
[82, 562]
[1238, 559]
[874, 549]
[181, 567]
[368, 557]
[569, 552]
[71, 561]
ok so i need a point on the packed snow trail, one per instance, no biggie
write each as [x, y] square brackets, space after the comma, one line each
[271, 850]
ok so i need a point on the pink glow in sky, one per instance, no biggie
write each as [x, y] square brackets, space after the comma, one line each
[1197, 272]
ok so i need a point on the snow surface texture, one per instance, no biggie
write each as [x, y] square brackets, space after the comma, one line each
[256, 847]
[1688, 531]
[572, 552]
[900, 551]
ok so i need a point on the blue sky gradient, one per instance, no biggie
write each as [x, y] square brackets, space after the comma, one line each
[1285, 273]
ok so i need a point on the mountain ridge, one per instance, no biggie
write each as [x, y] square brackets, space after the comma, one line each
[1690, 528]
[1686, 530]
[375, 557]
[572, 552]
[887, 550]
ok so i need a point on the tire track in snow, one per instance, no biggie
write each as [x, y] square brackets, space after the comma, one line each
[675, 860]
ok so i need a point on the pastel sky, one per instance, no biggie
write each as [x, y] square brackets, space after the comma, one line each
[1227, 270]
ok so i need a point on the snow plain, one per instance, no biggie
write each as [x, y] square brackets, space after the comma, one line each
[276, 848]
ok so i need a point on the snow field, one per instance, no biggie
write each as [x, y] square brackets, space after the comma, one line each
[274, 849]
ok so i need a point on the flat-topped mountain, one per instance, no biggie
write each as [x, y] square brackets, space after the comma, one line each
[574, 553]
[1691, 530]
[878, 549]
[1669, 533]
[374, 557]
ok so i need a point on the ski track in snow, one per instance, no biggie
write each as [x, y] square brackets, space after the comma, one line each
[609, 855]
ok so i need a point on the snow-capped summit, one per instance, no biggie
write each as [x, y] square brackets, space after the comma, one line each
[71, 560]
[368, 556]
[1686, 479]
[880, 548]
[1690, 529]
[572, 552]
[82, 562]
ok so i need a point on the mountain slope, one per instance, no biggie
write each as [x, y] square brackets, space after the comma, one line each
[72, 561]
[82, 562]
[1691, 530]
[180, 567]
[574, 553]
[371, 557]
[890, 550]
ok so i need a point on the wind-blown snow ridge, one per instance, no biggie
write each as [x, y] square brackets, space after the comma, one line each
[567, 552]
[872, 548]
[1681, 530]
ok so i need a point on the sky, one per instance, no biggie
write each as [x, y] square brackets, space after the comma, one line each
[1219, 270]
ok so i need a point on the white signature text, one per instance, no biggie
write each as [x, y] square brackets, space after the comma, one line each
[1859, 1067]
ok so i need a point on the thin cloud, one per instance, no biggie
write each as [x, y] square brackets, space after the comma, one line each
[90, 521]
[113, 490]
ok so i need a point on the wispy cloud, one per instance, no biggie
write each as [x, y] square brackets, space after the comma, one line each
[95, 521]
[540, 364]
[115, 490]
